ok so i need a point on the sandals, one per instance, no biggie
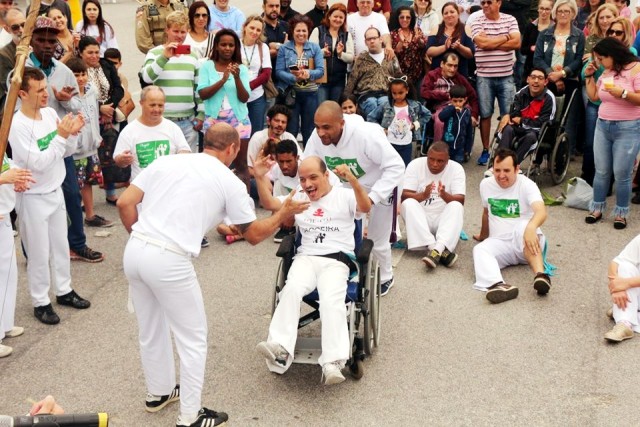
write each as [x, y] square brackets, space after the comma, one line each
[592, 218]
[620, 224]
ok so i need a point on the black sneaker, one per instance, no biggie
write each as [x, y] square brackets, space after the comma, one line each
[98, 221]
[86, 254]
[205, 242]
[155, 403]
[386, 287]
[72, 299]
[542, 284]
[501, 292]
[448, 258]
[46, 315]
[206, 418]
[432, 259]
[282, 233]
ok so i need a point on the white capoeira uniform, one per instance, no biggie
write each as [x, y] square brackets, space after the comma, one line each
[629, 266]
[433, 221]
[8, 266]
[147, 143]
[184, 197]
[327, 227]
[379, 168]
[42, 214]
[509, 213]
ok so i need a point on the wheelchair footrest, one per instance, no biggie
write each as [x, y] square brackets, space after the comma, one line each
[307, 351]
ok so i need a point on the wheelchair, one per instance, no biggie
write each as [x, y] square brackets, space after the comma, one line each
[552, 147]
[363, 308]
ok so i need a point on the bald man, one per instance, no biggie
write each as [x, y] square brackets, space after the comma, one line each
[322, 261]
[181, 198]
[365, 150]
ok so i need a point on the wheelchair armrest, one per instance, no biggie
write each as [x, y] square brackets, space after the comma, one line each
[365, 251]
[287, 246]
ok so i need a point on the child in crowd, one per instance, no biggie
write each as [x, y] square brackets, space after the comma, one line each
[456, 118]
[88, 170]
[402, 118]
[112, 54]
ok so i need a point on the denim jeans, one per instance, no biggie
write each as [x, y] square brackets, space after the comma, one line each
[371, 104]
[490, 88]
[588, 165]
[405, 152]
[75, 232]
[615, 148]
[257, 109]
[302, 114]
[190, 134]
[330, 92]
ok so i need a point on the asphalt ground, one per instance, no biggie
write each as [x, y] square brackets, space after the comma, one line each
[447, 356]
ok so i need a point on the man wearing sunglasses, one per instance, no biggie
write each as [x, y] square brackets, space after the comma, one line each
[14, 25]
[496, 36]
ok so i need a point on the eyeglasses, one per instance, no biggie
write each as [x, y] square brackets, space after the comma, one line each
[404, 17]
[617, 33]
[563, 12]
[536, 77]
[201, 15]
[486, 2]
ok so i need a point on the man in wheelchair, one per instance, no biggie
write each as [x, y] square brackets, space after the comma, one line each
[322, 261]
[532, 106]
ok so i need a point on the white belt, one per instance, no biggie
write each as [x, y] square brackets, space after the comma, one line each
[159, 243]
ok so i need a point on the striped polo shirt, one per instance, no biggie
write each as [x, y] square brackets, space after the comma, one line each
[494, 63]
[178, 78]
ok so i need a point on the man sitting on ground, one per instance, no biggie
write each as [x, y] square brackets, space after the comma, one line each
[322, 261]
[510, 234]
[432, 205]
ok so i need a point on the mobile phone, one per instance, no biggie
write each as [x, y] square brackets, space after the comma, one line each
[294, 68]
[183, 49]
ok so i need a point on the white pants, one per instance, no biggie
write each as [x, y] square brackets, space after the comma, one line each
[43, 229]
[167, 299]
[379, 230]
[330, 277]
[426, 229]
[493, 254]
[8, 276]
[629, 314]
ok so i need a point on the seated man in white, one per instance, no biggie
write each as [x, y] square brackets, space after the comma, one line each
[624, 286]
[327, 228]
[432, 205]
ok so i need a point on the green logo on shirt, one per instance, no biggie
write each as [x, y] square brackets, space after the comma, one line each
[505, 208]
[149, 151]
[5, 164]
[356, 169]
[43, 143]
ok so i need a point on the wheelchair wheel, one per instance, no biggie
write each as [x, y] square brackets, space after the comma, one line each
[372, 318]
[559, 162]
[356, 369]
[280, 279]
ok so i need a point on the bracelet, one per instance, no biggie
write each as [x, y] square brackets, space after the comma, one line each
[588, 77]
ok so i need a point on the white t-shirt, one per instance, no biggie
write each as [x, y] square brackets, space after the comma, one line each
[187, 195]
[418, 176]
[7, 194]
[37, 146]
[199, 49]
[508, 206]
[148, 143]
[284, 184]
[399, 132]
[251, 58]
[358, 25]
[93, 31]
[630, 253]
[327, 226]
[258, 140]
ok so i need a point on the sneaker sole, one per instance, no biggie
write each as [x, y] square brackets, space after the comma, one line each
[334, 379]
[498, 296]
[452, 262]
[616, 338]
[79, 258]
[431, 264]
[161, 406]
[98, 226]
[541, 286]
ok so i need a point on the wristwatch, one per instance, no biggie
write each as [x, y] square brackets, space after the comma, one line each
[564, 74]
[624, 94]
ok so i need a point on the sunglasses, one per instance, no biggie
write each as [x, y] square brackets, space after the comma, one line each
[618, 33]
[16, 27]
[201, 15]
[486, 2]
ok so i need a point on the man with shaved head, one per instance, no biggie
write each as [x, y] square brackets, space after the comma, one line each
[365, 150]
[167, 209]
[322, 261]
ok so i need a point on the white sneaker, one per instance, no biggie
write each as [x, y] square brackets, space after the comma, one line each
[332, 373]
[5, 350]
[273, 352]
[619, 333]
[16, 331]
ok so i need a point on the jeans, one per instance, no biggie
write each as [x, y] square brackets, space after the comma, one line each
[257, 109]
[615, 148]
[588, 165]
[302, 114]
[490, 88]
[75, 233]
[371, 103]
[330, 92]
[405, 152]
[190, 134]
